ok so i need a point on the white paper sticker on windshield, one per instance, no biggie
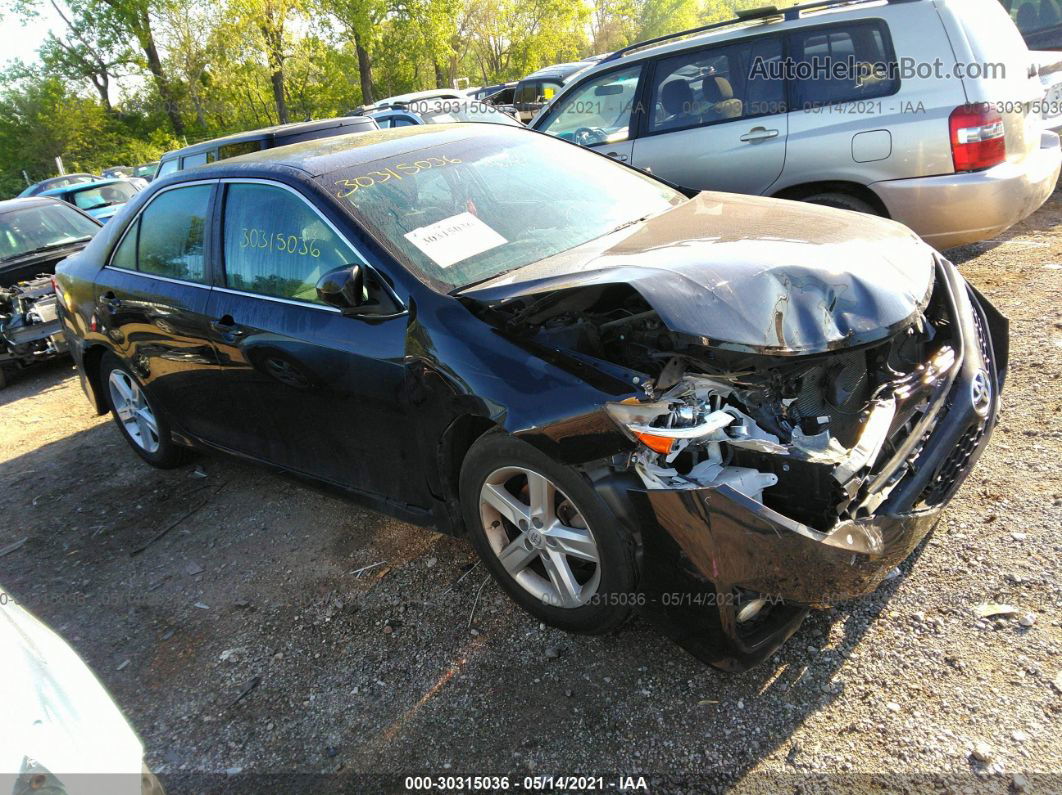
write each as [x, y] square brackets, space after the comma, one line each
[454, 239]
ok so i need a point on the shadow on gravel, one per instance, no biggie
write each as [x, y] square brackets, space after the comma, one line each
[29, 381]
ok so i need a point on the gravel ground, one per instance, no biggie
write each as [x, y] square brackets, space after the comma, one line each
[278, 629]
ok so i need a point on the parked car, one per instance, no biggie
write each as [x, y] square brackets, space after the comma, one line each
[437, 111]
[63, 181]
[1040, 24]
[718, 409]
[35, 233]
[695, 109]
[420, 96]
[116, 172]
[100, 199]
[221, 148]
[535, 91]
[60, 732]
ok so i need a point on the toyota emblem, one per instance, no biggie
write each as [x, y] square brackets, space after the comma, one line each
[981, 393]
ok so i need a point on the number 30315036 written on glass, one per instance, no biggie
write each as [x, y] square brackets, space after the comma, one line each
[290, 244]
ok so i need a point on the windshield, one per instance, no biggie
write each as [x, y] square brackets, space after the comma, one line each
[43, 226]
[145, 170]
[468, 210]
[103, 195]
[447, 111]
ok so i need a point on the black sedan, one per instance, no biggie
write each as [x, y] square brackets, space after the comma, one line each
[718, 410]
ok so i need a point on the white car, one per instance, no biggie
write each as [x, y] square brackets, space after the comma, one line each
[60, 731]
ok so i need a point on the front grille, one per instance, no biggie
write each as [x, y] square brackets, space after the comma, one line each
[982, 338]
[939, 488]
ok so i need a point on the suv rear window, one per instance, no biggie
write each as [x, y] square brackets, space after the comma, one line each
[846, 63]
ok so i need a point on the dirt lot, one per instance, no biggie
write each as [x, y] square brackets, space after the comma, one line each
[420, 665]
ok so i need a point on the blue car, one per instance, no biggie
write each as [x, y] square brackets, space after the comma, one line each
[100, 199]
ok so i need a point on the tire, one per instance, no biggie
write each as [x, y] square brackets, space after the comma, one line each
[843, 201]
[140, 422]
[572, 562]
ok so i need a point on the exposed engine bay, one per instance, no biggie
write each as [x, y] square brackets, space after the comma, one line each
[806, 435]
[29, 325]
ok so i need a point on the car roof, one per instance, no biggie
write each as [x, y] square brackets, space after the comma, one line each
[560, 70]
[327, 155]
[29, 201]
[83, 186]
[413, 96]
[767, 19]
[295, 128]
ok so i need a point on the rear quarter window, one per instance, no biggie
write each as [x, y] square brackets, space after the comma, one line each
[842, 63]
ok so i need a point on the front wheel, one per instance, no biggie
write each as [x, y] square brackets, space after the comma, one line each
[139, 420]
[547, 537]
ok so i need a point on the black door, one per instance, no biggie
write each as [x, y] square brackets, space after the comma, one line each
[152, 299]
[304, 386]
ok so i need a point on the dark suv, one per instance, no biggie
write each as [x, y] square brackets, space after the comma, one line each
[266, 138]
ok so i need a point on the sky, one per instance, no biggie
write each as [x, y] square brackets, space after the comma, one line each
[22, 41]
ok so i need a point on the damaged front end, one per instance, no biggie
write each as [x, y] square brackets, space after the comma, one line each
[29, 326]
[777, 482]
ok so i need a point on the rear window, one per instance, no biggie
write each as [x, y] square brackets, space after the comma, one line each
[103, 195]
[843, 63]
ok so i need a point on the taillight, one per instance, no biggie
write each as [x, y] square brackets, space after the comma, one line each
[978, 140]
[54, 288]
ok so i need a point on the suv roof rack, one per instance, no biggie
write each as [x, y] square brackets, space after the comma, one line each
[747, 15]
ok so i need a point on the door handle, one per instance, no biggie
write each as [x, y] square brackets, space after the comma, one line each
[227, 328]
[759, 134]
[617, 156]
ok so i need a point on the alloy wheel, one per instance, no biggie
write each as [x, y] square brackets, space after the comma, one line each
[540, 537]
[134, 411]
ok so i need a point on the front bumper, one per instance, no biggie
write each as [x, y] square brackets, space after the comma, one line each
[956, 209]
[717, 541]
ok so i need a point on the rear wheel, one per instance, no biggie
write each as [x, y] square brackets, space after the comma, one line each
[546, 536]
[137, 417]
[843, 201]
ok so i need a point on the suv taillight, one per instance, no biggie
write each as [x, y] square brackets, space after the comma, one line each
[978, 139]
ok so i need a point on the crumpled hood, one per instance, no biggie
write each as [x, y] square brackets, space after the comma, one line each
[751, 274]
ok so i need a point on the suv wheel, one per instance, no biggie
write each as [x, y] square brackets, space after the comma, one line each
[546, 536]
[843, 201]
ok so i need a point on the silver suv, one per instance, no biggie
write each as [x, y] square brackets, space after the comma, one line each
[919, 110]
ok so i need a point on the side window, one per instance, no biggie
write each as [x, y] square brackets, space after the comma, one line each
[846, 63]
[716, 85]
[173, 232]
[276, 244]
[525, 91]
[125, 255]
[400, 122]
[194, 160]
[232, 150]
[168, 167]
[598, 111]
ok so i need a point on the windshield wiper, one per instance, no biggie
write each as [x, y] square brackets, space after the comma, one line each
[49, 247]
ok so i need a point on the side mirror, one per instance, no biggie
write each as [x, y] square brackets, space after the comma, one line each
[343, 288]
[357, 290]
